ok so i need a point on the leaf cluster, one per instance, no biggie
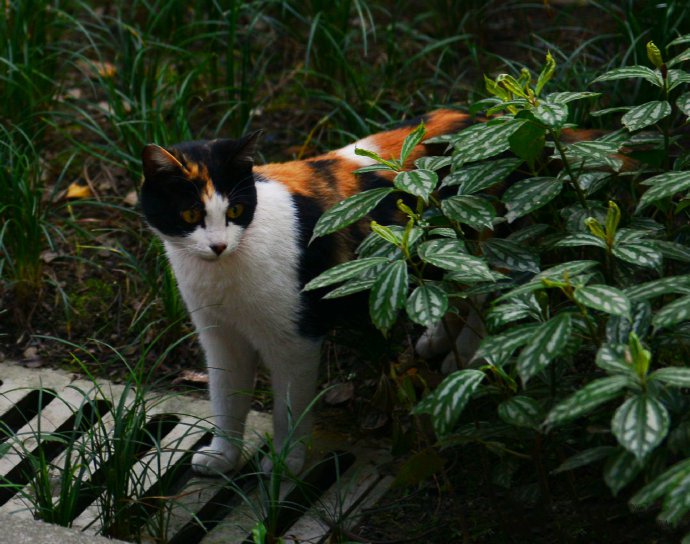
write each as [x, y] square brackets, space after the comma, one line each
[586, 271]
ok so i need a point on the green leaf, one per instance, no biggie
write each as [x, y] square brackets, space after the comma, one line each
[546, 73]
[618, 328]
[343, 271]
[673, 250]
[388, 295]
[683, 103]
[498, 348]
[571, 269]
[680, 40]
[620, 470]
[449, 399]
[673, 376]
[663, 186]
[606, 111]
[475, 211]
[546, 344]
[597, 149]
[677, 77]
[528, 233]
[640, 424]
[427, 304]
[376, 157]
[612, 359]
[661, 485]
[587, 399]
[681, 57]
[512, 85]
[483, 141]
[511, 255]
[565, 97]
[528, 142]
[677, 504]
[417, 182]
[411, 141]
[640, 254]
[656, 288]
[591, 182]
[584, 458]
[555, 273]
[374, 168]
[433, 163]
[520, 411]
[355, 285]
[604, 298]
[503, 314]
[527, 195]
[385, 232]
[672, 314]
[653, 76]
[349, 210]
[646, 114]
[583, 239]
[472, 179]
[553, 115]
[450, 254]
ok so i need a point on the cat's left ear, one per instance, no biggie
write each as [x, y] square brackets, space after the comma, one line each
[248, 145]
[242, 150]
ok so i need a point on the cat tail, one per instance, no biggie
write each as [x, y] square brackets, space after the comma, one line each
[436, 123]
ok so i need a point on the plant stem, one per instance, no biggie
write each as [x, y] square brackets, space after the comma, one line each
[572, 179]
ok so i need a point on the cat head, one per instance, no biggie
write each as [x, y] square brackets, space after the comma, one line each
[200, 196]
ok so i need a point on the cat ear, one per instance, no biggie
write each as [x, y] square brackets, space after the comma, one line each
[248, 145]
[242, 150]
[157, 160]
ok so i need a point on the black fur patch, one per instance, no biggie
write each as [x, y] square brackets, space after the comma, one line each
[165, 194]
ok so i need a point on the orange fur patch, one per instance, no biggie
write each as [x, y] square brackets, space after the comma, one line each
[437, 123]
[303, 177]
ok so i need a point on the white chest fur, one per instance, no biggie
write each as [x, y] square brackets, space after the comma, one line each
[254, 289]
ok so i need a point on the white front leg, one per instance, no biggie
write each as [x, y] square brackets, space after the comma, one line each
[231, 363]
[294, 374]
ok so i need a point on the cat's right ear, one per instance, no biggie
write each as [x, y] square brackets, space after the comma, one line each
[157, 160]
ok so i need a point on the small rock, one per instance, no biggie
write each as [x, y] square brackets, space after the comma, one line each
[31, 358]
[131, 199]
[30, 353]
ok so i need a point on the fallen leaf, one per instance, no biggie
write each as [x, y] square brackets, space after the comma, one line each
[374, 420]
[105, 69]
[48, 256]
[191, 376]
[77, 190]
[98, 68]
[339, 393]
[74, 93]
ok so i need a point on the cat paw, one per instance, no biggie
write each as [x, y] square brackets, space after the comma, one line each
[210, 461]
[294, 462]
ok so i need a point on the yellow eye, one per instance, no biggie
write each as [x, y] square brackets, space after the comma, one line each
[235, 211]
[191, 216]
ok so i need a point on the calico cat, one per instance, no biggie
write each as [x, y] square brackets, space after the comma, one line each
[236, 236]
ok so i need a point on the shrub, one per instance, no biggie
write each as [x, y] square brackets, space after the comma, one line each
[587, 273]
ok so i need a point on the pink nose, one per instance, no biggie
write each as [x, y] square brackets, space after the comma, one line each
[219, 248]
